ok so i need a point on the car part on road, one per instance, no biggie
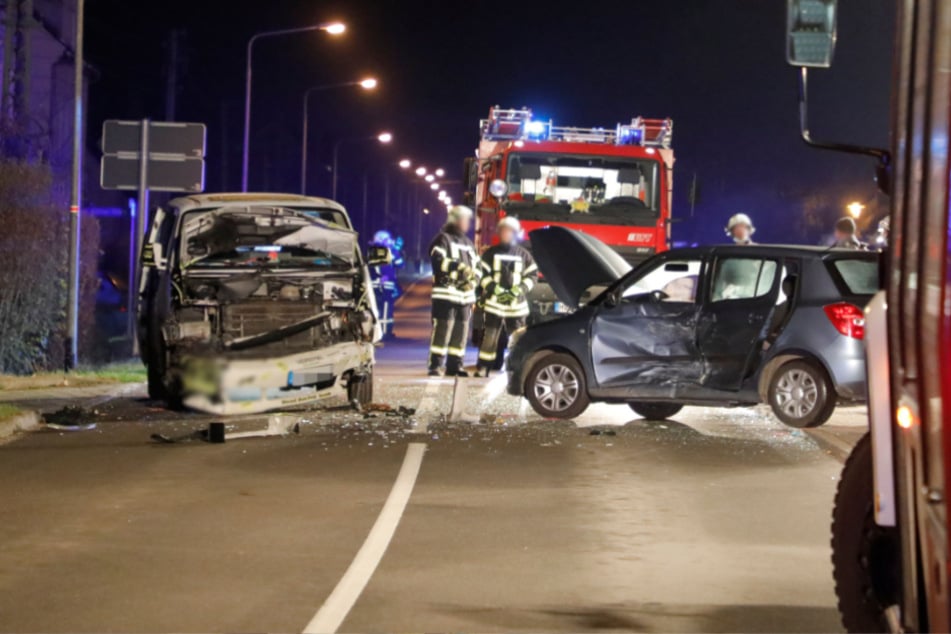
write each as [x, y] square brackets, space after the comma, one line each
[655, 411]
[865, 556]
[556, 387]
[801, 394]
[360, 388]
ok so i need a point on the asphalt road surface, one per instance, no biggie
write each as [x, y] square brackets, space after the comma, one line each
[717, 521]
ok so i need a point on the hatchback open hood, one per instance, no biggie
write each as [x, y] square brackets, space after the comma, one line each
[572, 262]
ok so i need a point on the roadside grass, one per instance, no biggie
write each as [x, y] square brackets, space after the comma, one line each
[113, 373]
[8, 411]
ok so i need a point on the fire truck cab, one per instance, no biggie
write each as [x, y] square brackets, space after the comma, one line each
[612, 183]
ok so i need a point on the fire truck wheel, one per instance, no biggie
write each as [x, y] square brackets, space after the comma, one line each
[556, 387]
[360, 388]
[801, 394]
[655, 411]
[865, 556]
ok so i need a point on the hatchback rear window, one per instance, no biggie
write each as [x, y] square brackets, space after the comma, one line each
[859, 276]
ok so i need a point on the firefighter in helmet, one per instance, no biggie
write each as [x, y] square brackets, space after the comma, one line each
[508, 274]
[456, 274]
[740, 229]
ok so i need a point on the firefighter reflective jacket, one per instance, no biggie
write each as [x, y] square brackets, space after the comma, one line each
[456, 270]
[509, 272]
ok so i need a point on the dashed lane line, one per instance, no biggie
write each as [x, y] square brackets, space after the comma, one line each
[335, 609]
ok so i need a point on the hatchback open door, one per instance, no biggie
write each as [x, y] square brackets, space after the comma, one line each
[735, 318]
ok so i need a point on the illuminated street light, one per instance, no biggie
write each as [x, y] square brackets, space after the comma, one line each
[420, 171]
[434, 186]
[426, 211]
[855, 209]
[440, 172]
[430, 178]
[406, 164]
[383, 137]
[333, 28]
[368, 84]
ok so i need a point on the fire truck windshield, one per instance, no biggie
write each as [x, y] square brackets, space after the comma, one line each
[594, 184]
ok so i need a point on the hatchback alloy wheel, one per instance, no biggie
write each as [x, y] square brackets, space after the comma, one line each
[556, 387]
[801, 394]
[796, 393]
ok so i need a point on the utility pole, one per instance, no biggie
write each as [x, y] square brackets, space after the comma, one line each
[9, 65]
[72, 304]
[171, 74]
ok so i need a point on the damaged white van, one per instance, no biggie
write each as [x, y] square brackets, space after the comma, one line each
[254, 302]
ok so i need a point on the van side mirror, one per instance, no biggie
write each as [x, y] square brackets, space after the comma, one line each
[379, 256]
[810, 32]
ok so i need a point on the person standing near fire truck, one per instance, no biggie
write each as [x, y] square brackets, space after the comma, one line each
[509, 273]
[740, 229]
[456, 274]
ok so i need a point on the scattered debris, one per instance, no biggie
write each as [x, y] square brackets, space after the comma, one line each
[602, 432]
[71, 418]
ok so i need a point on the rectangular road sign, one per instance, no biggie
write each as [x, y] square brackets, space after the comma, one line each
[166, 173]
[165, 137]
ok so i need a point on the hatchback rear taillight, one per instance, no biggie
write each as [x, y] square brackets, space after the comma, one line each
[847, 319]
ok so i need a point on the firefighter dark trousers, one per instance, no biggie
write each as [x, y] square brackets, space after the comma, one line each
[450, 330]
[490, 340]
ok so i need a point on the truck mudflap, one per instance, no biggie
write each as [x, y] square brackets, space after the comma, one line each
[250, 386]
[880, 409]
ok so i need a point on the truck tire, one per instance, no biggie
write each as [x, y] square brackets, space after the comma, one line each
[360, 388]
[865, 556]
[655, 411]
[556, 387]
[156, 367]
[801, 394]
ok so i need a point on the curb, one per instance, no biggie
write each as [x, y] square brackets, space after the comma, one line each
[27, 421]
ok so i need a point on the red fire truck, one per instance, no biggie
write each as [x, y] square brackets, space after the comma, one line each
[612, 183]
[891, 529]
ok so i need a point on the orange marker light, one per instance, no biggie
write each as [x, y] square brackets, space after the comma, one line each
[904, 417]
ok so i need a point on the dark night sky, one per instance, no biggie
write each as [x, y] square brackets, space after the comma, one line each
[716, 67]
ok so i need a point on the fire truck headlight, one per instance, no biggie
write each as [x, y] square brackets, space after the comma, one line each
[498, 188]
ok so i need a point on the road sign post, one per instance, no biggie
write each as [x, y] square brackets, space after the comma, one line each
[147, 156]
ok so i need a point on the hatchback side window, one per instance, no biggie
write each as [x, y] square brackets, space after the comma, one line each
[676, 279]
[743, 278]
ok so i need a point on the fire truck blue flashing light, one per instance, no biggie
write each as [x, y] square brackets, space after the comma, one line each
[536, 130]
[629, 136]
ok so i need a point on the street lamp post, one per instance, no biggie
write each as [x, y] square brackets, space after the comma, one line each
[367, 84]
[333, 28]
[383, 137]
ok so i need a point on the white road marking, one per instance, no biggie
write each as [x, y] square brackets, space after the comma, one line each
[335, 609]
[427, 406]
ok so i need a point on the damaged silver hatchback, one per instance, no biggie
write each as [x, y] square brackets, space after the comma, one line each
[253, 302]
[712, 326]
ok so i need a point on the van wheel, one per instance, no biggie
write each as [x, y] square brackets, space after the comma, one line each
[801, 394]
[556, 387]
[360, 388]
[156, 367]
[865, 556]
[655, 411]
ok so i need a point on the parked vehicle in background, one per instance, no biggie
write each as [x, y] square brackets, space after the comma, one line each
[250, 302]
[719, 325]
[612, 183]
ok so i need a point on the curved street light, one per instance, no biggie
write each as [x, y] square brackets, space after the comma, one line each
[368, 83]
[333, 28]
[383, 137]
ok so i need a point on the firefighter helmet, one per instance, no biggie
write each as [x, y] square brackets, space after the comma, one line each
[739, 219]
[383, 237]
[511, 222]
[457, 212]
